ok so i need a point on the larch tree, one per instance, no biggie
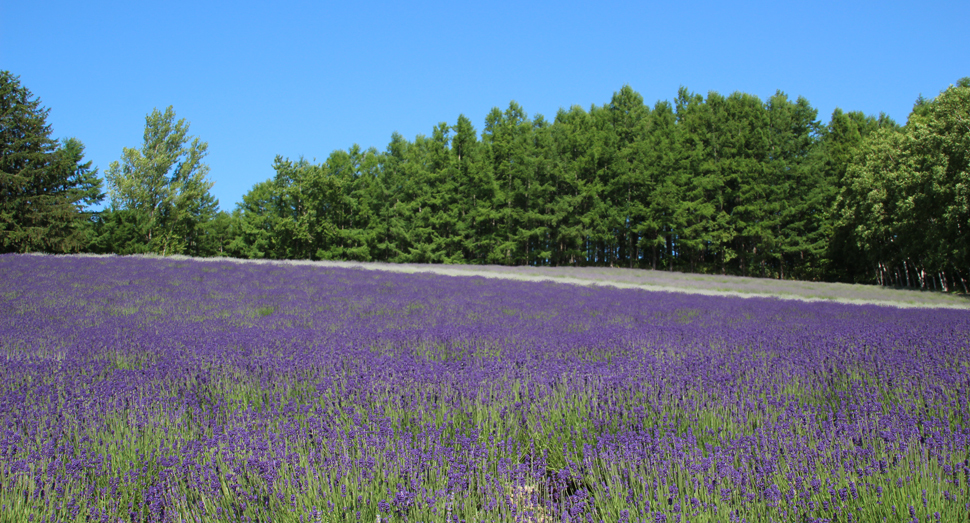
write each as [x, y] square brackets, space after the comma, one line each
[732, 185]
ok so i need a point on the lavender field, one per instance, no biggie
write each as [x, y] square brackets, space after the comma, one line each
[136, 389]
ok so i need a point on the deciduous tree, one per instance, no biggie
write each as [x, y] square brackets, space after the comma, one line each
[165, 184]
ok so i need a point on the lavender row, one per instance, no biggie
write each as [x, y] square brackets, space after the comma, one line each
[171, 390]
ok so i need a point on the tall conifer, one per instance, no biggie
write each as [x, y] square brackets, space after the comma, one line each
[44, 185]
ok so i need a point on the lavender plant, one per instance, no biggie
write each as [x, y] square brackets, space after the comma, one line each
[157, 390]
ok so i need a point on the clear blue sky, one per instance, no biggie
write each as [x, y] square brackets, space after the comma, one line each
[260, 79]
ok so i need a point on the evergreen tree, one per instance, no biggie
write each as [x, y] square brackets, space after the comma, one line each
[119, 232]
[600, 219]
[218, 234]
[528, 196]
[82, 185]
[743, 197]
[750, 203]
[259, 217]
[361, 233]
[45, 185]
[82, 181]
[419, 203]
[296, 200]
[441, 199]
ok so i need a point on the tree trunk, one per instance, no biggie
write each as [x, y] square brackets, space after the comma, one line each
[670, 253]
[633, 251]
[960, 277]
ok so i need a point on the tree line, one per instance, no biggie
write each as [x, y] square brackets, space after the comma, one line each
[715, 184]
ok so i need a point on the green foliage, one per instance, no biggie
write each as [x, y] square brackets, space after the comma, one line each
[839, 143]
[715, 184]
[730, 185]
[904, 204]
[45, 185]
[119, 232]
[164, 184]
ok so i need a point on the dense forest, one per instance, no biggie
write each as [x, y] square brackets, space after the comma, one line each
[715, 184]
